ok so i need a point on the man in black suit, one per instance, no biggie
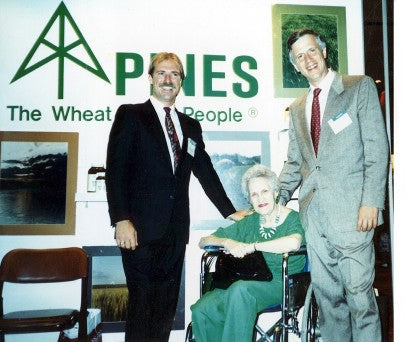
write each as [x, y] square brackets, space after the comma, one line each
[147, 180]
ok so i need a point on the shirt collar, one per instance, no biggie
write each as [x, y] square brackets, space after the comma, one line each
[326, 82]
[159, 107]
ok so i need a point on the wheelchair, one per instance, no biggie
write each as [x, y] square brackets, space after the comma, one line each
[297, 294]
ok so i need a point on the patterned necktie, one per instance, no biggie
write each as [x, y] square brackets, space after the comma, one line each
[315, 120]
[172, 134]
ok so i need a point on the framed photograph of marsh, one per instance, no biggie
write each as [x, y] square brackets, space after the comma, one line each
[38, 173]
[231, 153]
[108, 290]
[329, 21]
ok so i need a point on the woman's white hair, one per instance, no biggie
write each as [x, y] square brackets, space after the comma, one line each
[257, 171]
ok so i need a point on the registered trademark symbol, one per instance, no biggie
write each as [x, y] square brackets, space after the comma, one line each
[253, 112]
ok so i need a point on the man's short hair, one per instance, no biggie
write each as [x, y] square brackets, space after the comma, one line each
[297, 35]
[163, 56]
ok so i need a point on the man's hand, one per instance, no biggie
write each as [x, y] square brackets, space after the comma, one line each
[126, 235]
[238, 215]
[367, 218]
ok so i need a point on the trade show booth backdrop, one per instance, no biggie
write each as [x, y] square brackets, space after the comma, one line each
[66, 66]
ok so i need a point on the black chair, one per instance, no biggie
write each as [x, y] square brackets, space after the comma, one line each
[297, 293]
[28, 266]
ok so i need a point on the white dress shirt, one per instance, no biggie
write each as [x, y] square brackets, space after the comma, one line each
[325, 85]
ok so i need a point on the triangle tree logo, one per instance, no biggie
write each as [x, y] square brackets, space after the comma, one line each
[61, 17]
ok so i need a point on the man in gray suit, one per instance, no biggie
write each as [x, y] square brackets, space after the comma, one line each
[338, 154]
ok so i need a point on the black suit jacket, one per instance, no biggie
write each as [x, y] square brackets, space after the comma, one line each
[140, 182]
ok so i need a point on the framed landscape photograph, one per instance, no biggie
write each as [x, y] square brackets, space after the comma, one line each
[38, 173]
[329, 21]
[231, 153]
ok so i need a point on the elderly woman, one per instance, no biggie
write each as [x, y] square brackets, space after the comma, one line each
[229, 315]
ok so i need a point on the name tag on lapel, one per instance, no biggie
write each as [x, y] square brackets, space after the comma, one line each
[340, 121]
[191, 147]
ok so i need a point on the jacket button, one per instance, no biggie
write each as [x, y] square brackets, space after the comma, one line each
[313, 190]
[318, 168]
[171, 196]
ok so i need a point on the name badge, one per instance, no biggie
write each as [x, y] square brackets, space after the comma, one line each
[191, 147]
[340, 121]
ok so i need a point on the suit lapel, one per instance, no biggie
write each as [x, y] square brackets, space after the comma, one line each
[185, 132]
[333, 106]
[303, 129]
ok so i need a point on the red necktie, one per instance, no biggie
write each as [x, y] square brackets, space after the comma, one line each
[172, 134]
[315, 120]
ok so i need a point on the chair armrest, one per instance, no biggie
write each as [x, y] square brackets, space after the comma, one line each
[301, 250]
[213, 248]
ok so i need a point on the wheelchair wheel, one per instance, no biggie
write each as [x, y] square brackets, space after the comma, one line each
[277, 336]
[270, 336]
[310, 328]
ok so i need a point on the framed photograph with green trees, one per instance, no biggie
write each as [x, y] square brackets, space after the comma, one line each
[329, 21]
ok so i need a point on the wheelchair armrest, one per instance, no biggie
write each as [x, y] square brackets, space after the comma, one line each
[301, 250]
[213, 248]
[211, 252]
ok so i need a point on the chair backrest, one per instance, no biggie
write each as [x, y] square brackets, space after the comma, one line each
[44, 265]
[307, 265]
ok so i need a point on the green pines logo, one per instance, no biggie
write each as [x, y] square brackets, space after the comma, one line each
[61, 17]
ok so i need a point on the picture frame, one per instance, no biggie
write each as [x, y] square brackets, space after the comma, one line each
[232, 153]
[329, 21]
[38, 176]
[107, 289]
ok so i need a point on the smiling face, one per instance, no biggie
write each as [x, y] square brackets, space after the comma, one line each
[166, 81]
[261, 195]
[310, 59]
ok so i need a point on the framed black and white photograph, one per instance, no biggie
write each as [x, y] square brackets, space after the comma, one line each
[231, 153]
[38, 174]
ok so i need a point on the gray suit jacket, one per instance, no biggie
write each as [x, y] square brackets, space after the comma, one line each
[351, 167]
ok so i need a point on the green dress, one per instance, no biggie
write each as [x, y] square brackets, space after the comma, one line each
[229, 315]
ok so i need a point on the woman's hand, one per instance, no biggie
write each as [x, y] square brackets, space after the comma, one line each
[236, 248]
[240, 249]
